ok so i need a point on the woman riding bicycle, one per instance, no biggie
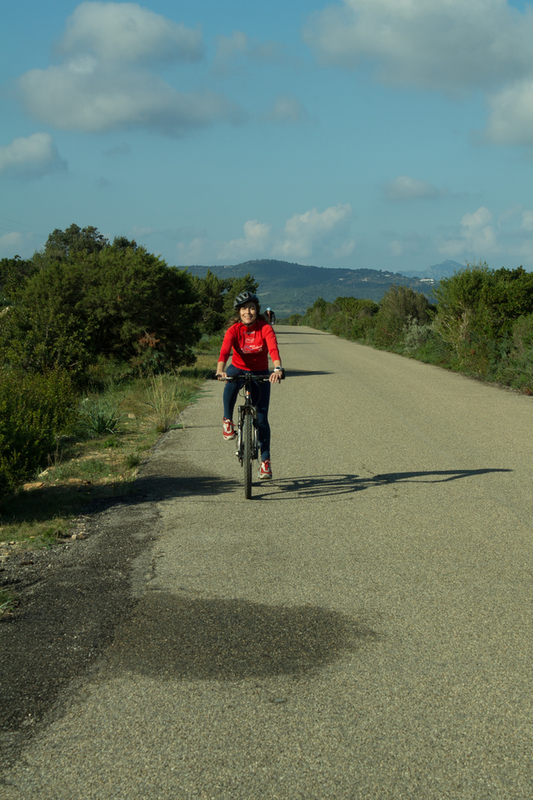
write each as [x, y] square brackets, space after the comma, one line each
[252, 339]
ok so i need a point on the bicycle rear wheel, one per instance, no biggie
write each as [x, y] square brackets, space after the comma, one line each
[247, 455]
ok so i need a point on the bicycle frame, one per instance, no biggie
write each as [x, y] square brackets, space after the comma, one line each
[247, 439]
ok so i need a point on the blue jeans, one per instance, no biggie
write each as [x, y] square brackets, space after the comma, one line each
[260, 399]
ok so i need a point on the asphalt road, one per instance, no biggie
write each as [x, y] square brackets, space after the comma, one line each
[362, 628]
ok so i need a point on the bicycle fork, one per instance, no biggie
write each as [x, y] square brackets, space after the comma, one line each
[243, 411]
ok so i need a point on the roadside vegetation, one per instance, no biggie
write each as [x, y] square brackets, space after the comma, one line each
[481, 324]
[102, 345]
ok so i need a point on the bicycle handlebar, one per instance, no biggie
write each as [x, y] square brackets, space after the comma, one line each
[257, 377]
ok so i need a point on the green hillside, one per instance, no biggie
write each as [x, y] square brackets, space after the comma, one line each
[292, 288]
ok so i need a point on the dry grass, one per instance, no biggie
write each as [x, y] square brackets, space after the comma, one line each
[87, 467]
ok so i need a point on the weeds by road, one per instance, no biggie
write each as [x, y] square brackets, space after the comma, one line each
[116, 431]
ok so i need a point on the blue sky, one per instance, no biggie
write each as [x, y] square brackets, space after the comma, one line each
[386, 134]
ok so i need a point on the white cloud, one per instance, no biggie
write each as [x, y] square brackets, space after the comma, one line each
[450, 45]
[239, 45]
[511, 117]
[477, 236]
[228, 48]
[408, 244]
[312, 234]
[129, 33]
[31, 157]
[405, 188]
[345, 249]
[527, 220]
[313, 231]
[18, 244]
[138, 232]
[11, 240]
[255, 241]
[93, 98]
[196, 251]
[287, 108]
[104, 84]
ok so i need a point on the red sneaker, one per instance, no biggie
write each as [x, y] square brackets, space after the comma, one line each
[228, 429]
[265, 471]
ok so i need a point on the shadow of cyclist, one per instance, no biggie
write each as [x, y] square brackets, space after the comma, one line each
[323, 485]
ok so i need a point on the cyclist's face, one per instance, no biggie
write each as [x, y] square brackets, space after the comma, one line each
[248, 313]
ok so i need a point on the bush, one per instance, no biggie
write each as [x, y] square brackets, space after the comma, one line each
[416, 335]
[464, 312]
[117, 302]
[98, 416]
[351, 318]
[397, 308]
[34, 411]
[210, 344]
[523, 335]
[215, 299]
[319, 314]
[516, 367]
[477, 305]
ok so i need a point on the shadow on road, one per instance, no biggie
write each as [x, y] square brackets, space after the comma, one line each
[164, 486]
[302, 333]
[324, 485]
[297, 373]
[215, 639]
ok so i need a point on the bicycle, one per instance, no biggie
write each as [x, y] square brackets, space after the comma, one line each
[247, 439]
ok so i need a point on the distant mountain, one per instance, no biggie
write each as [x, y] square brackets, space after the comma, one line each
[292, 288]
[438, 271]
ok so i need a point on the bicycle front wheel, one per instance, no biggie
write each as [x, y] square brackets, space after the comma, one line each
[247, 455]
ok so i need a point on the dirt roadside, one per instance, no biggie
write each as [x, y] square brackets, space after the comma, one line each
[71, 599]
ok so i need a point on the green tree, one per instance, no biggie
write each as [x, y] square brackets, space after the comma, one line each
[14, 272]
[211, 292]
[315, 316]
[117, 302]
[215, 298]
[42, 330]
[353, 317]
[397, 308]
[68, 244]
[463, 306]
[477, 305]
[510, 298]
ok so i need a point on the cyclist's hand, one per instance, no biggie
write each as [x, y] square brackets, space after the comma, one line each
[275, 377]
[221, 376]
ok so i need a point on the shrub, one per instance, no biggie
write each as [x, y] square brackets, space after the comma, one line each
[396, 308]
[476, 304]
[352, 318]
[98, 416]
[34, 411]
[318, 315]
[516, 367]
[523, 335]
[115, 301]
[416, 335]
[166, 396]
[463, 312]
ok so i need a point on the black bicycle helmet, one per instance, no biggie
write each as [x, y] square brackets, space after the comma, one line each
[245, 297]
